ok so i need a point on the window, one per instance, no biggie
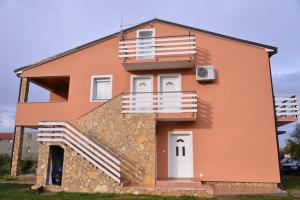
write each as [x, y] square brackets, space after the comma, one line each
[29, 137]
[28, 149]
[145, 42]
[101, 87]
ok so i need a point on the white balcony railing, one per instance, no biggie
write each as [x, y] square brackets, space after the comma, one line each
[160, 102]
[147, 48]
[286, 106]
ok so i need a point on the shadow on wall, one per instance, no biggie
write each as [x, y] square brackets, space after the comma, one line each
[204, 114]
[203, 57]
[129, 169]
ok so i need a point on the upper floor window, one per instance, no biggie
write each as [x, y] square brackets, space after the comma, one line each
[145, 44]
[101, 87]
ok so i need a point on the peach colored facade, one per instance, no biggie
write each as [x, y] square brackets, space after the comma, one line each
[234, 134]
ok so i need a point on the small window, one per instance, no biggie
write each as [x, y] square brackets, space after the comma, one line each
[29, 137]
[101, 87]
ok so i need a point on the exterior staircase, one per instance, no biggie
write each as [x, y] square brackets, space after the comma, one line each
[59, 131]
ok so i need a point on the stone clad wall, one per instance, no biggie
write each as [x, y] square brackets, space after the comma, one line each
[41, 170]
[19, 130]
[17, 150]
[131, 137]
[78, 174]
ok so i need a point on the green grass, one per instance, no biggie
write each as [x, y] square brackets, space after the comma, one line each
[21, 192]
[291, 182]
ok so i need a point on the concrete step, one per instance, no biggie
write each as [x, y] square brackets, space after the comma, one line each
[178, 183]
[26, 178]
[202, 191]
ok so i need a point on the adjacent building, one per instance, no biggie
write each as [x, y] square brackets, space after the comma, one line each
[29, 147]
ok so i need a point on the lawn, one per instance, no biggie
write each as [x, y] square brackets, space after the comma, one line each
[21, 192]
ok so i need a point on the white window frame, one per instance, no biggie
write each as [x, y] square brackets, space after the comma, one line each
[170, 133]
[132, 77]
[168, 75]
[92, 87]
[137, 42]
[159, 76]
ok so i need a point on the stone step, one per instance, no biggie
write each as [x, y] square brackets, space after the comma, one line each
[203, 191]
[178, 184]
[26, 178]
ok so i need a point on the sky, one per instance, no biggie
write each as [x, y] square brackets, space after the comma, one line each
[32, 30]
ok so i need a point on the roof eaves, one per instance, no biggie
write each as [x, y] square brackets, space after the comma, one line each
[274, 49]
[271, 49]
[78, 48]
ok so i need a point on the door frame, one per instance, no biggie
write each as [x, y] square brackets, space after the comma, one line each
[170, 133]
[140, 76]
[137, 41]
[168, 75]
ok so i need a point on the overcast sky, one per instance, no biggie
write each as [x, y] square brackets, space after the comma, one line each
[32, 30]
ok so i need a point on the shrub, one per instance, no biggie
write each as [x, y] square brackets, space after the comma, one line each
[28, 166]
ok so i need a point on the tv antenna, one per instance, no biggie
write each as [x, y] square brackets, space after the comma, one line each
[122, 26]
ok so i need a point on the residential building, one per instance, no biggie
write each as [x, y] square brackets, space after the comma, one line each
[29, 148]
[5, 143]
[159, 108]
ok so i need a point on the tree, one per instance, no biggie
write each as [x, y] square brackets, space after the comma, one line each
[293, 144]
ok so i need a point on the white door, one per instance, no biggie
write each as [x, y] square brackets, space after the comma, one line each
[142, 93]
[181, 156]
[145, 44]
[170, 93]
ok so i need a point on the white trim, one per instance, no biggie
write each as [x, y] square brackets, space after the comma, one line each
[138, 57]
[140, 76]
[141, 30]
[158, 54]
[160, 40]
[160, 44]
[269, 50]
[92, 87]
[169, 150]
[168, 75]
[91, 151]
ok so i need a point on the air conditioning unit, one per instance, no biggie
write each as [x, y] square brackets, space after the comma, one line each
[205, 73]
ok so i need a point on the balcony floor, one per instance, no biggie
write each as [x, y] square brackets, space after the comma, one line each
[176, 117]
[159, 63]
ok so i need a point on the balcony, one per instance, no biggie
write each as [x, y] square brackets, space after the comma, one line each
[286, 109]
[153, 53]
[168, 106]
[30, 113]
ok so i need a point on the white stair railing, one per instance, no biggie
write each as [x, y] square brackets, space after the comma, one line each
[286, 106]
[91, 151]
